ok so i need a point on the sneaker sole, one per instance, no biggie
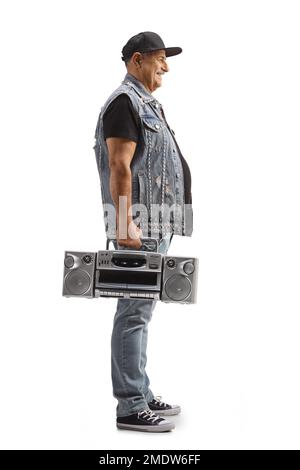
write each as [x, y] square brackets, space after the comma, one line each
[171, 412]
[140, 427]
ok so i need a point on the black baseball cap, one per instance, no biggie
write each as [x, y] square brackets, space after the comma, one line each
[147, 41]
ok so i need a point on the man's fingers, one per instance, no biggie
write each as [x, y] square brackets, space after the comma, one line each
[134, 231]
[135, 246]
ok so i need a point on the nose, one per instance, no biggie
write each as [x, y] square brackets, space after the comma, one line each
[166, 67]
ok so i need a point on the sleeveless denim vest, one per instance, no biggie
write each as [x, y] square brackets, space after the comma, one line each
[158, 205]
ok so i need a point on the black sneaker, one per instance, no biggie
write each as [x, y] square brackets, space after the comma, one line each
[144, 420]
[162, 408]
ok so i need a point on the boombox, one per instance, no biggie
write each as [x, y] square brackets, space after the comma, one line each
[130, 274]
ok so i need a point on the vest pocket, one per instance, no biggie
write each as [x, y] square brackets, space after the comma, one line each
[152, 123]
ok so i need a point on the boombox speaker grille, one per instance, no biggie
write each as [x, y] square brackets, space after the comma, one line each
[178, 287]
[77, 282]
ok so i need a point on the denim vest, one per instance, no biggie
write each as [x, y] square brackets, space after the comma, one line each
[158, 204]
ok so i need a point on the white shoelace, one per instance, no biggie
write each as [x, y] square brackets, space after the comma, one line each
[158, 401]
[148, 415]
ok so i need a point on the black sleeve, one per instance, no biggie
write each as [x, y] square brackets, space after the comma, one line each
[120, 119]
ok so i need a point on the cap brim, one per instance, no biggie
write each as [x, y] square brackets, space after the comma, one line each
[172, 51]
[169, 50]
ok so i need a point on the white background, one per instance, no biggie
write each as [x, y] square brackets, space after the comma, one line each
[232, 360]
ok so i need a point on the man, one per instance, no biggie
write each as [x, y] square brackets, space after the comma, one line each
[146, 191]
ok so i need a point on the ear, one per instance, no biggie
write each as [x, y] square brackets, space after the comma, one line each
[136, 58]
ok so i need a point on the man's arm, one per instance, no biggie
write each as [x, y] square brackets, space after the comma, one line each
[121, 152]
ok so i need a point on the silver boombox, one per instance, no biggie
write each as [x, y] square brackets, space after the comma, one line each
[129, 274]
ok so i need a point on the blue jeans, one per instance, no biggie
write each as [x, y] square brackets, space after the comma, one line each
[128, 351]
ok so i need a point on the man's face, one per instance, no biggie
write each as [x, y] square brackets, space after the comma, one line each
[153, 66]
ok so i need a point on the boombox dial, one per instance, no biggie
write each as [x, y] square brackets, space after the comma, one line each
[87, 259]
[171, 263]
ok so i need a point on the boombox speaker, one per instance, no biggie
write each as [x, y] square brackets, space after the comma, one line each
[179, 282]
[79, 273]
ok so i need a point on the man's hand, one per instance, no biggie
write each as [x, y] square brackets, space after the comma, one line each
[133, 240]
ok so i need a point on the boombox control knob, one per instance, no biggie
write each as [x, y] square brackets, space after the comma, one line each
[69, 261]
[171, 263]
[189, 268]
[87, 259]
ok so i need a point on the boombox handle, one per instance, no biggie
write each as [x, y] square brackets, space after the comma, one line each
[148, 244]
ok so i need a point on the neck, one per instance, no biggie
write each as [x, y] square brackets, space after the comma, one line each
[137, 77]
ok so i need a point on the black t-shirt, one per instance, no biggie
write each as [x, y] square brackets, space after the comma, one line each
[120, 120]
